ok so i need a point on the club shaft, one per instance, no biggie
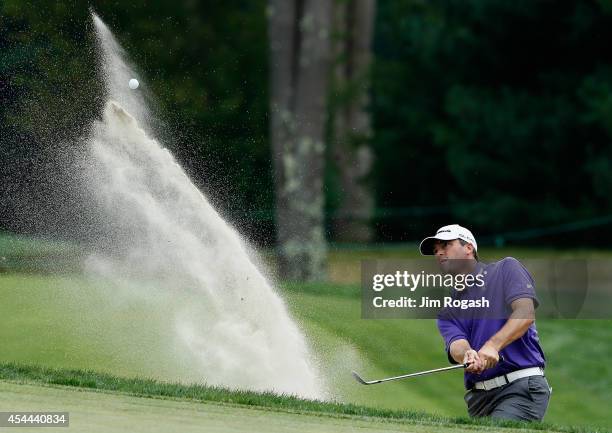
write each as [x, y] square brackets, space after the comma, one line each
[420, 373]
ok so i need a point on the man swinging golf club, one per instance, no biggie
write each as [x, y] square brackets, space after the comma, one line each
[511, 388]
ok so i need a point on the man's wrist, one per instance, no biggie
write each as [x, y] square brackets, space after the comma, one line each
[459, 354]
[494, 343]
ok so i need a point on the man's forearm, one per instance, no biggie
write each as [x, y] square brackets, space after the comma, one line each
[512, 330]
[518, 323]
[458, 348]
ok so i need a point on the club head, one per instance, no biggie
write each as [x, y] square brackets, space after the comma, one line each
[359, 379]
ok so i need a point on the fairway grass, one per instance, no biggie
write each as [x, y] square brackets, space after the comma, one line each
[576, 352]
[66, 322]
[102, 402]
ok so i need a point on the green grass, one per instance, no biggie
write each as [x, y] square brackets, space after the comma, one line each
[30, 254]
[284, 403]
[71, 321]
[577, 352]
[68, 322]
[345, 264]
[95, 410]
[486, 253]
[23, 246]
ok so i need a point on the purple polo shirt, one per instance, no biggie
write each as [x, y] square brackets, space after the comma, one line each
[504, 282]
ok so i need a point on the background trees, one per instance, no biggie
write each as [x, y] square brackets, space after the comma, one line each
[350, 124]
[492, 113]
[299, 34]
[485, 112]
[309, 41]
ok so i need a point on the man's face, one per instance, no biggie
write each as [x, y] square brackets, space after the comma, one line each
[452, 256]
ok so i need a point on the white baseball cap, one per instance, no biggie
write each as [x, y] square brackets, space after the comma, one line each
[447, 233]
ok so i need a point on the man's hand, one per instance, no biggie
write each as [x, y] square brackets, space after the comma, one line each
[472, 358]
[489, 356]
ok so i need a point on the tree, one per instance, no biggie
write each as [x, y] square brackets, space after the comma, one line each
[352, 154]
[299, 38]
[505, 107]
[205, 63]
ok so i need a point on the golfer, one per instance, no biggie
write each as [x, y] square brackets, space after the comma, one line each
[505, 377]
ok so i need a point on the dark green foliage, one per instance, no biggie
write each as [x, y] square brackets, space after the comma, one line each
[499, 110]
[205, 62]
[491, 113]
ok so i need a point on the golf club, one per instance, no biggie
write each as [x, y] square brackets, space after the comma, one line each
[404, 376]
[420, 373]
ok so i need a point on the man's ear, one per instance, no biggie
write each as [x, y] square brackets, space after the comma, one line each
[470, 248]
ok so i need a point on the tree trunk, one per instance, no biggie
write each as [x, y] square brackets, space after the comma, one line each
[354, 23]
[299, 69]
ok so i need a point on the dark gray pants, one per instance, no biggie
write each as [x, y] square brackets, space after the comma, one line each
[524, 399]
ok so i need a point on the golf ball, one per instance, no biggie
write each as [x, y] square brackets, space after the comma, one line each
[133, 83]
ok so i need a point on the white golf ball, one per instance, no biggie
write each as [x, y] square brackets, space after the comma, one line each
[133, 83]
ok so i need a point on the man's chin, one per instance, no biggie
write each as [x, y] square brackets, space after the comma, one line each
[452, 267]
[446, 266]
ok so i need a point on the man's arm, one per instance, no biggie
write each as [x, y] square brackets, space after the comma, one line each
[462, 352]
[457, 344]
[523, 315]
